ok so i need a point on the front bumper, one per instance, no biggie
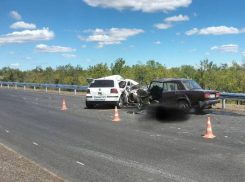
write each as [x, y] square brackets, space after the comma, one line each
[208, 102]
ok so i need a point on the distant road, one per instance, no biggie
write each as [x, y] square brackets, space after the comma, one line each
[85, 145]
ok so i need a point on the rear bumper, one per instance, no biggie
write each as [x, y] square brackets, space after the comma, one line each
[208, 102]
[102, 102]
[94, 100]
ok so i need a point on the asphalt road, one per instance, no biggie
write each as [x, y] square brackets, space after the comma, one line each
[85, 145]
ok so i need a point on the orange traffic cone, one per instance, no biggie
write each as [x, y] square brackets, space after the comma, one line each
[63, 105]
[116, 118]
[209, 133]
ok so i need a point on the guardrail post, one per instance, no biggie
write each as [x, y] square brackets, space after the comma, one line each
[223, 103]
[46, 89]
[1, 85]
[24, 87]
[16, 87]
[34, 88]
[75, 91]
[59, 90]
[8, 86]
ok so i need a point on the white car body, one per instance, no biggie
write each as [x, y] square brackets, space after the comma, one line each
[107, 90]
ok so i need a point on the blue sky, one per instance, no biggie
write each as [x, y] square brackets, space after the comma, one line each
[87, 32]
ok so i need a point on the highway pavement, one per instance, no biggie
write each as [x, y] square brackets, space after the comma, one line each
[81, 144]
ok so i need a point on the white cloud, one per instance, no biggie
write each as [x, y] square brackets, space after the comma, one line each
[45, 48]
[182, 42]
[68, 56]
[192, 50]
[221, 30]
[88, 60]
[81, 38]
[110, 37]
[230, 48]
[177, 18]
[163, 25]
[11, 52]
[195, 14]
[177, 33]
[132, 46]
[243, 53]
[191, 32]
[22, 25]
[143, 5]
[83, 46]
[15, 64]
[157, 42]
[218, 30]
[26, 36]
[15, 15]
[214, 48]
[27, 58]
[207, 53]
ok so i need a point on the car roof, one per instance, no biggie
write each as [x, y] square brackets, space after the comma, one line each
[170, 79]
[112, 77]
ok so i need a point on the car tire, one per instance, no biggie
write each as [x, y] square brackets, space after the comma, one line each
[120, 103]
[89, 106]
[183, 106]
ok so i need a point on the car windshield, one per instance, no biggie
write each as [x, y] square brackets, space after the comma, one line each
[102, 83]
[191, 84]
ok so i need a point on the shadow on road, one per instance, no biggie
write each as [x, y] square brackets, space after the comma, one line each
[161, 114]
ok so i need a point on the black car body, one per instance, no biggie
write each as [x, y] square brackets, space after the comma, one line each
[182, 94]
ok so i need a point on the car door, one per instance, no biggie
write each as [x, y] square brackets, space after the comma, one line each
[170, 93]
[155, 90]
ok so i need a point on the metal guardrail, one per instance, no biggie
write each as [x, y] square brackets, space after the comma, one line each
[231, 96]
[223, 95]
[46, 86]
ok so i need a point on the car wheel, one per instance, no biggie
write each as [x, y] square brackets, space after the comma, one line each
[89, 106]
[183, 106]
[120, 103]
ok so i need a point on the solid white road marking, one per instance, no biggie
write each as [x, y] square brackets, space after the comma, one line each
[80, 163]
[35, 143]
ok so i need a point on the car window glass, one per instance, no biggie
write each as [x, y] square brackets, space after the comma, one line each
[170, 86]
[191, 84]
[122, 84]
[102, 83]
[156, 84]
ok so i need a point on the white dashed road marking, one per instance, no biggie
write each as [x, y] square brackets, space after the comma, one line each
[7, 131]
[80, 163]
[35, 143]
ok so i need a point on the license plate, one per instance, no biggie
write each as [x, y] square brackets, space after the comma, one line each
[212, 96]
[99, 98]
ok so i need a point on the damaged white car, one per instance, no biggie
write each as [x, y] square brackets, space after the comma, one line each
[113, 90]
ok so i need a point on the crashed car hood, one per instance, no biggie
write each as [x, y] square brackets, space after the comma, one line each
[132, 81]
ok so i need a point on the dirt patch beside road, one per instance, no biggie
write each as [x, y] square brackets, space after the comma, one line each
[239, 109]
[14, 167]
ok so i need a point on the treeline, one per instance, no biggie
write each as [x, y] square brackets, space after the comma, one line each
[223, 78]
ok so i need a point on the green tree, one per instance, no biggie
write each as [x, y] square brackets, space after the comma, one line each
[117, 68]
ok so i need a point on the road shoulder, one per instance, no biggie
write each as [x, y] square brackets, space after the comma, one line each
[14, 167]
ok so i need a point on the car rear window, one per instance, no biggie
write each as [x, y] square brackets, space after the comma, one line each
[102, 83]
[191, 84]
